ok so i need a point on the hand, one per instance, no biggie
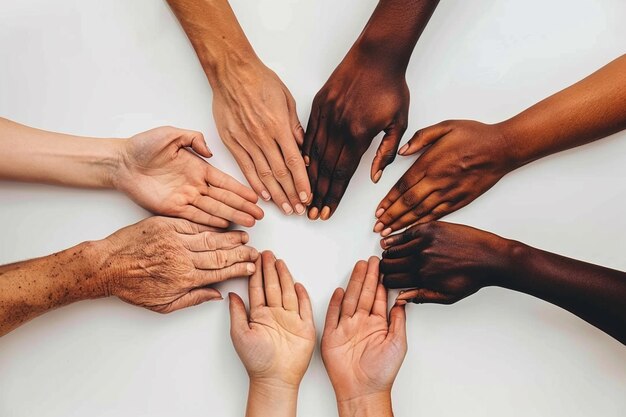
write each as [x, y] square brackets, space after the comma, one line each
[276, 343]
[362, 351]
[161, 174]
[361, 99]
[444, 262]
[166, 264]
[464, 160]
[256, 118]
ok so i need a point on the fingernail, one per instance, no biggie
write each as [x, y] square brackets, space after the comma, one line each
[386, 232]
[307, 161]
[383, 243]
[379, 212]
[287, 208]
[303, 197]
[378, 227]
[313, 213]
[265, 195]
[378, 175]
[404, 149]
[325, 214]
[250, 268]
[299, 208]
[217, 299]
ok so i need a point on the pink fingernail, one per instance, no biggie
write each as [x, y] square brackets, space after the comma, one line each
[303, 197]
[386, 232]
[377, 176]
[287, 208]
[378, 227]
[404, 149]
[379, 212]
[299, 208]
[265, 195]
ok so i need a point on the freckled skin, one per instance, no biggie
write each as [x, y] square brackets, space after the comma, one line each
[365, 95]
[445, 262]
[462, 159]
[161, 264]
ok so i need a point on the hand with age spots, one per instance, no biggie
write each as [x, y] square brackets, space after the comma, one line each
[361, 348]
[444, 262]
[160, 173]
[276, 341]
[463, 160]
[365, 95]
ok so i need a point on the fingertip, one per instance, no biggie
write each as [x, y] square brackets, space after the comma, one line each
[380, 212]
[325, 213]
[250, 268]
[313, 213]
[376, 176]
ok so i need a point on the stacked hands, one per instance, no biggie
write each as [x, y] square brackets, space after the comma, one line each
[168, 263]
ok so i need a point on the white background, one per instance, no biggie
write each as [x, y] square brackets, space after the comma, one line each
[117, 67]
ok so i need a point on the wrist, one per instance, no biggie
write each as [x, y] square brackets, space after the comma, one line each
[515, 258]
[514, 145]
[83, 271]
[374, 404]
[220, 64]
[271, 398]
[115, 151]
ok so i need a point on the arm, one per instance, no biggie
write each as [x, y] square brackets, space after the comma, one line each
[362, 350]
[156, 169]
[447, 262]
[466, 158]
[366, 94]
[276, 342]
[124, 265]
[254, 111]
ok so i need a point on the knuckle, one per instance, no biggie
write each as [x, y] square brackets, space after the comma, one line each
[341, 174]
[209, 240]
[325, 168]
[264, 174]
[409, 199]
[294, 161]
[357, 130]
[317, 150]
[402, 186]
[280, 173]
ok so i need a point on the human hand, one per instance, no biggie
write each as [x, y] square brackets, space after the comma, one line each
[362, 351]
[276, 342]
[256, 117]
[360, 99]
[465, 159]
[166, 264]
[161, 174]
[443, 262]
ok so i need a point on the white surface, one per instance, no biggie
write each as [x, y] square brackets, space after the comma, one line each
[119, 67]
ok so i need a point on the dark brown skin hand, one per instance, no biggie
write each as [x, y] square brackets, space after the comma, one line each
[445, 262]
[366, 94]
[463, 159]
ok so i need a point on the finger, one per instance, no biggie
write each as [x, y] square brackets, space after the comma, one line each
[317, 152]
[401, 238]
[396, 266]
[220, 259]
[268, 178]
[441, 210]
[296, 166]
[311, 132]
[386, 152]
[326, 168]
[425, 208]
[196, 215]
[210, 241]
[194, 140]
[344, 170]
[290, 299]
[206, 277]
[304, 303]
[401, 280]
[380, 302]
[411, 177]
[406, 249]
[238, 315]
[283, 175]
[423, 296]
[193, 298]
[353, 292]
[334, 310]
[294, 121]
[425, 137]
[217, 208]
[249, 169]
[256, 292]
[235, 201]
[406, 204]
[186, 227]
[273, 293]
[397, 324]
[216, 178]
[370, 284]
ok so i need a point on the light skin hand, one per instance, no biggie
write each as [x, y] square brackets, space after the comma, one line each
[159, 171]
[254, 112]
[161, 264]
[276, 341]
[362, 350]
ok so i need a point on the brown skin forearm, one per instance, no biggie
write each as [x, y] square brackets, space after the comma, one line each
[31, 288]
[591, 109]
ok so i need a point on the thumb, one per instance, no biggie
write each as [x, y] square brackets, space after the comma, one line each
[294, 121]
[386, 152]
[397, 322]
[425, 137]
[195, 140]
[424, 296]
[238, 315]
[193, 298]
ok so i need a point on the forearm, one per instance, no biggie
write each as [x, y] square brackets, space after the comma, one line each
[591, 109]
[374, 405]
[39, 156]
[267, 399]
[31, 288]
[393, 30]
[594, 293]
[216, 36]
